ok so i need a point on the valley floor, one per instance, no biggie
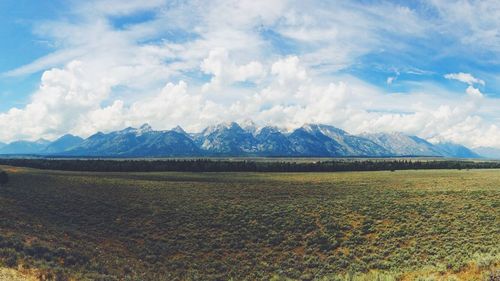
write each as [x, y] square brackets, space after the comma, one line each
[403, 225]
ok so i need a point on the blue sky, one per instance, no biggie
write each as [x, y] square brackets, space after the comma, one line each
[429, 68]
[20, 47]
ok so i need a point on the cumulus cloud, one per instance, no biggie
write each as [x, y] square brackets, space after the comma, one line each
[225, 72]
[473, 92]
[470, 80]
[64, 96]
[72, 100]
[288, 70]
[276, 62]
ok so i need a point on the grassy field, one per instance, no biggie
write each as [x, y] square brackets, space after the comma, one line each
[411, 225]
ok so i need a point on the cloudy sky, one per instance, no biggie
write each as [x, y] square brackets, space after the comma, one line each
[429, 68]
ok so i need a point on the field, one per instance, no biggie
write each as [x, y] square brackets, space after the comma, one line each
[403, 225]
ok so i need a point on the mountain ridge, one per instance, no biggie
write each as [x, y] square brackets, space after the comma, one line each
[488, 152]
[231, 139]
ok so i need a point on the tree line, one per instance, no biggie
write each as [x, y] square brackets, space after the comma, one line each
[220, 165]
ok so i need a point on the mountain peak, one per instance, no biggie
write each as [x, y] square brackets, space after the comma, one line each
[249, 126]
[179, 129]
[221, 127]
[270, 129]
[145, 128]
[230, 139]
[127, 130]
[327, 130]
[42, 141]
[231, 125]
[62, 144]
[69, 136]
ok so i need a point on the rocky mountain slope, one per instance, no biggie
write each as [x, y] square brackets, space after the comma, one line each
[231, 139]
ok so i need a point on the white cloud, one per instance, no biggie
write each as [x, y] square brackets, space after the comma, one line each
[468, 79]
[289, 71]
[174, 105]
[104, 78]
[225, 72]
[65, 95]
[473, 92]
[71, 100]
[465, 78]
[473, 23]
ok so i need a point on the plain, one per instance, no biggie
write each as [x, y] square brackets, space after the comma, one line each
[403, 225]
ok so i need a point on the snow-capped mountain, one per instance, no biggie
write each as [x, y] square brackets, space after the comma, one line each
[227, 139]
[231, 139]
[272, 142]
[406, 145]
[350, 145]
[136, 142]
[402, 144]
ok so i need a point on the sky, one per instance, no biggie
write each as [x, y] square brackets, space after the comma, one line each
[428, 68]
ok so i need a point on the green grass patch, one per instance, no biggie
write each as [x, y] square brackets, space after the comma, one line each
[404, 225]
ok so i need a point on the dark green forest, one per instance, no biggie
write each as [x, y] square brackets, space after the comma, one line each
[223, 165]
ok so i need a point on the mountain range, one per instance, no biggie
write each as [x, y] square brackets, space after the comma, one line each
[231, 139]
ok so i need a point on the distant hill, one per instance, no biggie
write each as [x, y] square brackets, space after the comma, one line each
[456, 150]
[25, 147]
[63, 143]
[488, 152]
[402, 144]
[231, 139]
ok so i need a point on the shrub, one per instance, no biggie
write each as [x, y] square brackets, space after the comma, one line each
[9, 257]
[4, 178]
